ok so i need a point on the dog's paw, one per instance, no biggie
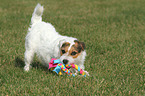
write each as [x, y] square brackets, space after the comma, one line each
[27, 68]
[87, 73]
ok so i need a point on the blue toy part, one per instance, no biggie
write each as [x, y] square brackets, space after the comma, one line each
[56, 61]
[79, 69]
[57, 69]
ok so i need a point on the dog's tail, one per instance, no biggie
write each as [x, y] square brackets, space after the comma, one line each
[37, 14]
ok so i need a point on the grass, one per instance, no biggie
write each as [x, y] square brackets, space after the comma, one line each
[113, 31]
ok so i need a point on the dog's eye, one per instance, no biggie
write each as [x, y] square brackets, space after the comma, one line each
[63, 51]
[73, 53]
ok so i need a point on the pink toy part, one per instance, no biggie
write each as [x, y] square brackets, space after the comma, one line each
[81, 71]
[51, 64]
[60, 64]
[73, 65]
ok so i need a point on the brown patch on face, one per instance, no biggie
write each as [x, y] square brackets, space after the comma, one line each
[64, 48]
[76, 49]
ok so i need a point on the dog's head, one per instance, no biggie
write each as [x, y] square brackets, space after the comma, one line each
[70, 51]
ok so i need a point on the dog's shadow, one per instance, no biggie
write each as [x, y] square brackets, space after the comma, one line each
[37, 65]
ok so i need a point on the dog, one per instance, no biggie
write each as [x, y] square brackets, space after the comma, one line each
[43, 40]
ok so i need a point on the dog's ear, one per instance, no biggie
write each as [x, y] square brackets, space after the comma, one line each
[81, 45]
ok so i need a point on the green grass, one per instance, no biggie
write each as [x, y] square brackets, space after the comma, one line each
[114, 34]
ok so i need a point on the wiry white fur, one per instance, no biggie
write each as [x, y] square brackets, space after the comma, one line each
[36, 16]
[43, 40]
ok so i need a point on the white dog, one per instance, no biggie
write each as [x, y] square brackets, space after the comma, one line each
[43, 40]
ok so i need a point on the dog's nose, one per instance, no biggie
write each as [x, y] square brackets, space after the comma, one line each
[65, 61]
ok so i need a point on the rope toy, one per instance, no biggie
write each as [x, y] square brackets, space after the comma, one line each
[76, 67]
[56, 65]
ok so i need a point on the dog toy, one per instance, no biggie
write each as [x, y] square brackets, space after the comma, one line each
[56, 65]
[76, 67]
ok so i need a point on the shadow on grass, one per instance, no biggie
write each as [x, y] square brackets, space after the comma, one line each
[37, 65]
[19, 63]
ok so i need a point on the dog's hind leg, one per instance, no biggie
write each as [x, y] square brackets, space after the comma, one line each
[29, 54]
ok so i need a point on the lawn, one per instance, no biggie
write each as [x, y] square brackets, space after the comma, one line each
[114, 34]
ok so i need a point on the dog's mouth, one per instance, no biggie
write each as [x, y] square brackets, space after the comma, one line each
[66, 59]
